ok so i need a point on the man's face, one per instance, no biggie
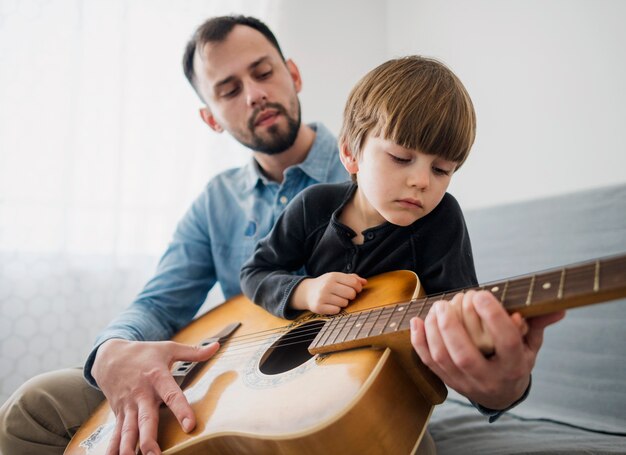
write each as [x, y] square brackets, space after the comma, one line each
[249, 90]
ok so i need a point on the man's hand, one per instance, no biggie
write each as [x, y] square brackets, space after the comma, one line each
[135, 377]
[444, 344]
[328, 293]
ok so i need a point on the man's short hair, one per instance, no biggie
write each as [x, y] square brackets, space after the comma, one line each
[416, 102]
[215, 30]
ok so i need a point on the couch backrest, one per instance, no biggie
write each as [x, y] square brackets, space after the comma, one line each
[580, 375]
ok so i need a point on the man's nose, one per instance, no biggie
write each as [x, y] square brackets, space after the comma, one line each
[256, 96]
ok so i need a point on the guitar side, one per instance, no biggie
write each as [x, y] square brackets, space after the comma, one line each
[356, 401]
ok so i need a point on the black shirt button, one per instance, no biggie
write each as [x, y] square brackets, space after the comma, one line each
[369, 235]
[349, 267]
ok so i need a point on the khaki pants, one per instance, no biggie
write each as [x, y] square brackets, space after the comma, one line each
[44, 413]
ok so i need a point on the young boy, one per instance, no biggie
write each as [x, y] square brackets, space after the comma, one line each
[408, 126]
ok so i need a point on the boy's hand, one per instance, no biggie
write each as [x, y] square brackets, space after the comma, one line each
[445, 345]
[328, 293]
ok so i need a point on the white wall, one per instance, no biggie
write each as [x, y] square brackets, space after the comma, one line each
[334, 44]
[547, 80]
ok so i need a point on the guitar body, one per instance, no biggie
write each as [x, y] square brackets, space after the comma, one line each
[255, 398]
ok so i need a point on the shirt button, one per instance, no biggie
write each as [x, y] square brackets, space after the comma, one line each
[283, 200]
[369, 235]
[349, 267]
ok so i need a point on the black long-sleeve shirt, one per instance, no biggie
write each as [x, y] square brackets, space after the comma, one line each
[308, 240]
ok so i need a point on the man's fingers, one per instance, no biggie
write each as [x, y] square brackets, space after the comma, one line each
[114, 443]
[534, 337]
[174, 399]
[148, 421]
[460, 353]
[193, 353]
[419, 341]
[506, 336]
[130, 432]
[480, 336]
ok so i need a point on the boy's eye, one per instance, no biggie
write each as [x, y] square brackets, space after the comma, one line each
[399, 159]
[439, 171]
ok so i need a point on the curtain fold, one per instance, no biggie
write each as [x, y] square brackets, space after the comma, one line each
[101, 151]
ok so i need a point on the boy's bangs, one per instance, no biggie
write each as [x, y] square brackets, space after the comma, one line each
[447, 131]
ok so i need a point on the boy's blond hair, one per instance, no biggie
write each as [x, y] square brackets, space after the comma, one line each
[416, 102]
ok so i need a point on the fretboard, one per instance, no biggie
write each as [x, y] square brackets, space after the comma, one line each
[531, 295]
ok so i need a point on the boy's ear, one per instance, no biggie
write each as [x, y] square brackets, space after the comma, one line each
[208, 118]
[295, 74]
[347, 159]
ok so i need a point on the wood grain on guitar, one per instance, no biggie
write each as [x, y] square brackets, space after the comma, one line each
[340, 384]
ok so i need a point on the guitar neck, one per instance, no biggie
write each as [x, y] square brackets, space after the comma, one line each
[531, 295]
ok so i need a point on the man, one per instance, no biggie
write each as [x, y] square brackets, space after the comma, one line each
[237, 68]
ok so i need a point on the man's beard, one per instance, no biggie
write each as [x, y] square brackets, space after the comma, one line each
[278, 141]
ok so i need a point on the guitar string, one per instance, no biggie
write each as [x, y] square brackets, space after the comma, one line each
[253, 339]
[305, 335]
[517, 290]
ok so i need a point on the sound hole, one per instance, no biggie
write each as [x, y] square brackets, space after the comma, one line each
[290, 351]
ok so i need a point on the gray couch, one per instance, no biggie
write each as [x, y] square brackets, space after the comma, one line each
[578, 399]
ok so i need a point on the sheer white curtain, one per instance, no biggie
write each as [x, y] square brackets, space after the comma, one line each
[101, 151]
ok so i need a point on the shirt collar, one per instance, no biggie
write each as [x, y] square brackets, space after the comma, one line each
[316, 164]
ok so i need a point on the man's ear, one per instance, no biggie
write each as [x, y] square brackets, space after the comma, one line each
[208, 118]
[295, 74]
[347, 159]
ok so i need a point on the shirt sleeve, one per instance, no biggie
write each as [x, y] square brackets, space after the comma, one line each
[168, 302]
[269, 277]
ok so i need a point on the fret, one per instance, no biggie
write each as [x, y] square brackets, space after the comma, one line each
[561, 284]
[529, 299]
[397, 317]
[517, 292]
[613, 273]
[580, 279]
[496, 290]
[367, 325]
[546, 286]
[383, 320]
[596, 278]
[358, 323]
[419, 313]
[378, 313]
[327, 329]
[345, 329]
[411, 312]
[506, 288]
[337, 330]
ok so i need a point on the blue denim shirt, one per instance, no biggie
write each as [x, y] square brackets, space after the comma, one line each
[213, 240]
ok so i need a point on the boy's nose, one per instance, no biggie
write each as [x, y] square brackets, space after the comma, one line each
[419, 178]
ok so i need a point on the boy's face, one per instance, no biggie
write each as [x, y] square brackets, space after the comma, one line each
[250, 91]
[397, 184]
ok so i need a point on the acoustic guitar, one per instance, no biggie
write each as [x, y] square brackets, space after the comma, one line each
[349, 383]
